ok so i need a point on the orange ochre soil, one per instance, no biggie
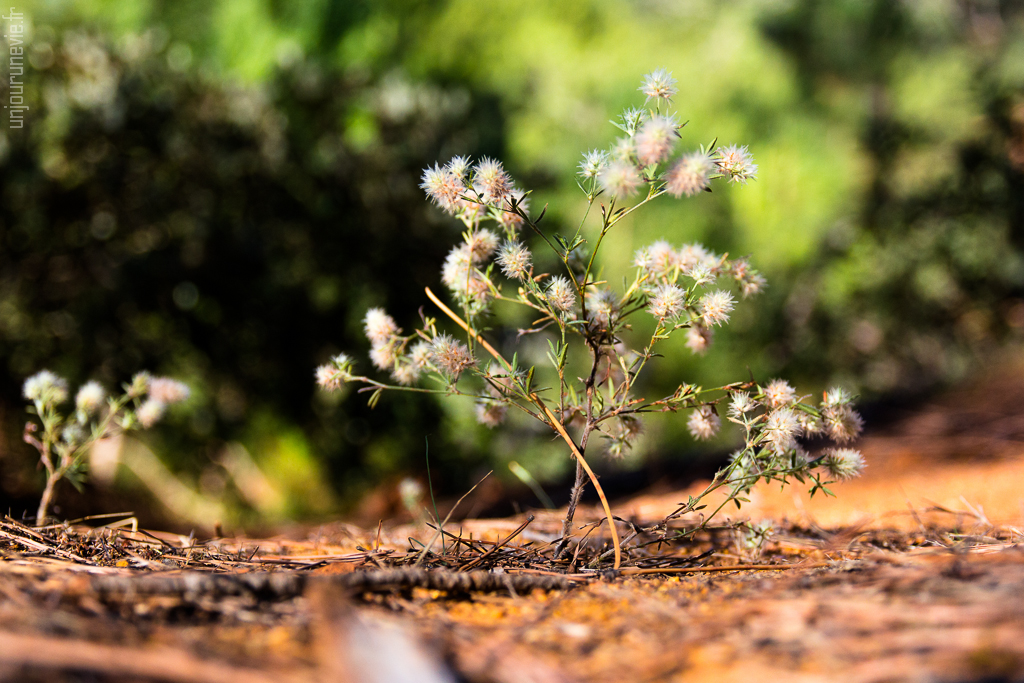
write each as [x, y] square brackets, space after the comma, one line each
[914, 572]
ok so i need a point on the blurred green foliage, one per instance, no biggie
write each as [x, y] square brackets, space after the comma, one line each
[217, 190]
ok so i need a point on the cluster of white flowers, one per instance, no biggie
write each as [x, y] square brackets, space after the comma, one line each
[775, 419]
[96, 415]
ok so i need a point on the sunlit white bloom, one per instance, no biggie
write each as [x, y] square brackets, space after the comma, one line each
[781, 427]
[90, 397]
[560, 295]
[667, 302]
[491, 181]
[659, 83]
[842, 423]
[379, 326]
[736, 163]
[515, 260]
[690, 175]
[716, 306]
[592, 163]
[442, 186]
[691, 256]
[740, 405]
[778, 393]
[843, 463]
[631, 119]
[458, 167]
[703, 423]
[167, 390]
[47, 387]
[663, 258]
[330, 377]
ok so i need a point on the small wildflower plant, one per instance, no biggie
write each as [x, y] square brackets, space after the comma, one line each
[685, 289]
[66, 436]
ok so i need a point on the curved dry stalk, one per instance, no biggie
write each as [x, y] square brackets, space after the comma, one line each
[556, 424]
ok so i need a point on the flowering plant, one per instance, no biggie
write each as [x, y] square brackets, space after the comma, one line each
[66, 439]
[674, 286]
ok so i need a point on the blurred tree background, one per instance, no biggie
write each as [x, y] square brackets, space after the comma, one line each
[218, 190]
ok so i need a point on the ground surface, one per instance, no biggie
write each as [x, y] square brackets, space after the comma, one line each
[913, 573]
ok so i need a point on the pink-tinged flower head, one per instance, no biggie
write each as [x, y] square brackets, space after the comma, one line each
[659, 83]
[515, 260]
[690, 175]
[842, 422]
[490, 413]
[405, 373]
[715, 307]
[703, 423]
[167, 390]
[560, 295]
[778, 393]
[741, 405]
[384, 356]
[655, 139]
[699, 338]
[491, 181]
[692, 255]
[379, 326]
[736, 163]
[461, 277]
[843, 463]
[663, 258]
[481, 245]
[667, 302]
[443, 187]
[150, 412]
[451, 357]
[619, 179]
[90, 397]
[330, 377]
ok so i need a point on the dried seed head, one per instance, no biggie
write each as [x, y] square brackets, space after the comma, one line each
[451, 357]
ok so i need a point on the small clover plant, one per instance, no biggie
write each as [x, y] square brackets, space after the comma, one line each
[685, 289]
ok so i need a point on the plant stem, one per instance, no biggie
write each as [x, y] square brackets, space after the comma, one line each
[52, 478]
